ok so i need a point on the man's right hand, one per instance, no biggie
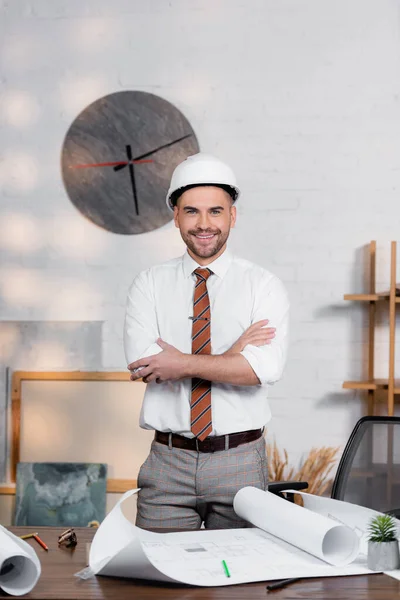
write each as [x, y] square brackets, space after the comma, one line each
[256, 335]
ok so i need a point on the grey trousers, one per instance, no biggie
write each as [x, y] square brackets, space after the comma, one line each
[183, 488]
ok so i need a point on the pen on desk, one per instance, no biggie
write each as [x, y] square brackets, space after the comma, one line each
[27, 536]
[281, 584]
[226, 569]
[41, 542]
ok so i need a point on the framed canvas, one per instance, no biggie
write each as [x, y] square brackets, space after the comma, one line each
[60, 494]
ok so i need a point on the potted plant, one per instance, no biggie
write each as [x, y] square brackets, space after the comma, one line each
[383, 544]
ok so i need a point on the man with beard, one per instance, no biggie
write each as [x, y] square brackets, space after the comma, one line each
[207, 332]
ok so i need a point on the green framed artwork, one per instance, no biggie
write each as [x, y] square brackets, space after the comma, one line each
[60, 494]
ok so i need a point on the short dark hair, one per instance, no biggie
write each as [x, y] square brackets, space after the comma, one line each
[174, 197]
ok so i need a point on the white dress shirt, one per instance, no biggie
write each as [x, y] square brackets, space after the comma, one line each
[160, 302]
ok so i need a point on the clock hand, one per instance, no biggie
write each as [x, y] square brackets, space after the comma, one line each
[162, 147]
[138, 158]
[132, 175]
[123, 163]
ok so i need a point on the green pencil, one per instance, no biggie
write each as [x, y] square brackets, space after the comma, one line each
[226, 569]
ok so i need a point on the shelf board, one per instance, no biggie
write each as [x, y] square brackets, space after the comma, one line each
[360, 385]
[386, 296]
[369, 297]
[363, 297]
[374, 384]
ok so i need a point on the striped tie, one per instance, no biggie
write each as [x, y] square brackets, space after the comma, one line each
[200, 405]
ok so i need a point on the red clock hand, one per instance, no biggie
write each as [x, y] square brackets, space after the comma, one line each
[109, 164]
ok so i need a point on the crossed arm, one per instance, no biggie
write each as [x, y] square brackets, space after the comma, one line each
[230, 367]
[257, 357]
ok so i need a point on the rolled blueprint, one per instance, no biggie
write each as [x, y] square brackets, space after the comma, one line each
[19, 565]
[333, 542]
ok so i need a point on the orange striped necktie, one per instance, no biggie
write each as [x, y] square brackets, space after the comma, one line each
[200, 404]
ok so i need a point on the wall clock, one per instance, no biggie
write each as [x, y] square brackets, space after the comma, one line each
[118, 157]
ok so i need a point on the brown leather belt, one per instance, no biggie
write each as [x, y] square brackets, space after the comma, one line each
[210, 444]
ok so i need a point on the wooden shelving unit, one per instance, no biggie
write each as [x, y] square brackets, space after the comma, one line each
[371, 384]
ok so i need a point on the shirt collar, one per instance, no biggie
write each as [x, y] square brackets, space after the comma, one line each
[219, 266]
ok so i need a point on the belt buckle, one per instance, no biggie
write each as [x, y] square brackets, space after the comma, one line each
[207, 445]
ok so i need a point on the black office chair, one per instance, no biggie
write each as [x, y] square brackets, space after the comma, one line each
[369, 470]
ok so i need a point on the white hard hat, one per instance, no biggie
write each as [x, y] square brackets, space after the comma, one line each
[202, 169]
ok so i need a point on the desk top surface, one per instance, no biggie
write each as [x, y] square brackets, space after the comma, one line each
[60, 564]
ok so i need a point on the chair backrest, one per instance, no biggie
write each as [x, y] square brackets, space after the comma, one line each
[369, 470]
[60, 494]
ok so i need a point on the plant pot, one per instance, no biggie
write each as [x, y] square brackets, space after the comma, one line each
[383, 556]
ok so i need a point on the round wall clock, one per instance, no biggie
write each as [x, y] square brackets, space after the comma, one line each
[118, 157]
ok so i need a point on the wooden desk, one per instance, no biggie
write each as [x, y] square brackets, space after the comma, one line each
[59, 565]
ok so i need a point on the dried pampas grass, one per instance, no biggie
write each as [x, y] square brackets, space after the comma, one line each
[315, 469]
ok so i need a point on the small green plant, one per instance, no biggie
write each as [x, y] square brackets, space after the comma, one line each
[382, 528]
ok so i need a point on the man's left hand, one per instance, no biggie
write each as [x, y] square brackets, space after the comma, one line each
[166, 366]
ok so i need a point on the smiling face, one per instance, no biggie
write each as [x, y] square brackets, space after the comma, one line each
[204, 216]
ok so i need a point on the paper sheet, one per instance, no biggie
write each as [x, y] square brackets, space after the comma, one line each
[19, 565]
[116, 549]
[121, 549]
[353, 516]
[251, 555]
[395, 574]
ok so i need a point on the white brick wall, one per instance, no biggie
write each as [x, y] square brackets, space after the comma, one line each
[300, 96]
